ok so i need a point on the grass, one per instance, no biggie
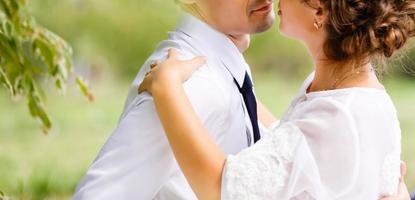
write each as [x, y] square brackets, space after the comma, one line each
[37, 166]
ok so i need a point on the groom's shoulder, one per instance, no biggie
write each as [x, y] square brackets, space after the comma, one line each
[160, 54]
[212, 69]
[185, 48]
[211, 72]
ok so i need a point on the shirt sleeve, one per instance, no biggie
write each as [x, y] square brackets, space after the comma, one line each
[134, 162]
[137, 159]
[313, 155]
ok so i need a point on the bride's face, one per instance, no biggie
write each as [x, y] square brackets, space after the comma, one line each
[297, 19]
[235, 17]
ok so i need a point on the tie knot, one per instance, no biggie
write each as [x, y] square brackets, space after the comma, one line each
[247, 85]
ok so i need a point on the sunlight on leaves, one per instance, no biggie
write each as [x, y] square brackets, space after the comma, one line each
[29, 54]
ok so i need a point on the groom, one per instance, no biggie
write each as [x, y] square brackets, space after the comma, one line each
[136, 162]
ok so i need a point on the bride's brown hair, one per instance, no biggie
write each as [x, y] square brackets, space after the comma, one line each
[361, 30]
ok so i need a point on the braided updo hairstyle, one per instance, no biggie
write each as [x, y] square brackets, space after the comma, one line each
[360, 30]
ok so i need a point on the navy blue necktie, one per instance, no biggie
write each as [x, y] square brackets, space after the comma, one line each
[251, 105]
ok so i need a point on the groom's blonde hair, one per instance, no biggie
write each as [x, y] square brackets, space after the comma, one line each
[189, 6]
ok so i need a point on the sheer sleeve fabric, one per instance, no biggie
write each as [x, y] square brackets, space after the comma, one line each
[312, 154]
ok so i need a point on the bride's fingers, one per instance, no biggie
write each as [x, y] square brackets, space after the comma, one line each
[403, 171]
[145, 85]
[155, 64]
[195, 63]
[172, 54]
[402, 193]
[402, 189]
[141, 88]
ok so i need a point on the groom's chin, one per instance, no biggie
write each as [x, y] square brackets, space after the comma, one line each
[264, 23]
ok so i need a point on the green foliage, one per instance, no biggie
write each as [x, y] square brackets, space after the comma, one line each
[29, 54]
[114, 36]
[3, 196]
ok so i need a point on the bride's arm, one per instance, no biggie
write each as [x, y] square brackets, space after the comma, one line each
[199, 157]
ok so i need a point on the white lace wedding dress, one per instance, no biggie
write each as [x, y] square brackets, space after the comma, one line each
[338, 144]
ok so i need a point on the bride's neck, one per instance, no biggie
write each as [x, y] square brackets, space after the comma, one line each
[330, 75]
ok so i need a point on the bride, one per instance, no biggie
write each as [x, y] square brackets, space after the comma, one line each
[339, 138]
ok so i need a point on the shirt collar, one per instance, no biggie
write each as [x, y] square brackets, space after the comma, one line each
[214, 43]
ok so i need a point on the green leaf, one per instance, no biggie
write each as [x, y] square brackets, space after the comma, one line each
[29, 53]
[37, 110]
[45, 50]
[6, 82]
[7, 28]
[83, 86]
[14, 5]
[5, 8]
[34, 60]
[60, 85]
[18, 87]
[3, 196]
[5, 47]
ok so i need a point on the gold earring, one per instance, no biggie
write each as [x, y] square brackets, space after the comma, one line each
[317, 25]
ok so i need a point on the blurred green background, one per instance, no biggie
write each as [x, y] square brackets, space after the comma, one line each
[111, 40]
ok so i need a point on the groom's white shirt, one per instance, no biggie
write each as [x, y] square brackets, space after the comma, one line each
[136, 162]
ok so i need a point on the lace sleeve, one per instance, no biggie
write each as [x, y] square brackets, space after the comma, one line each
[261, 171]
[390, 174]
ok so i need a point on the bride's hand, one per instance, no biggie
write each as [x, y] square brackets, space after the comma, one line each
[403, 193]
[172, 70]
